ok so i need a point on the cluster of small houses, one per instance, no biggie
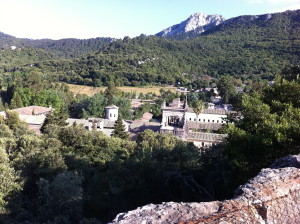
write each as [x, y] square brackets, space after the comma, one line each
[178, 119]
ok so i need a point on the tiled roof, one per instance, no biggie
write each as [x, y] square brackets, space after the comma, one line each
[210, 137]
[108, 123]
[147, 116]
[33, 110]
[202, 125]
[139, 126]
[112, 107]
[84, 122]
[213, 111]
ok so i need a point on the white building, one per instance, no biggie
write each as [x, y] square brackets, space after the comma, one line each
[106, 125]
[179, 119]
[112, 112]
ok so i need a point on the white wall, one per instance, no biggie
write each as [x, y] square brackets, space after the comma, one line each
[201, 144]
[112, 114]
[205, 118]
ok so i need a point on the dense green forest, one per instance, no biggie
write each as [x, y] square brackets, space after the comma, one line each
[64, 48]
[72, 175]
[259, 45]
[69, 175]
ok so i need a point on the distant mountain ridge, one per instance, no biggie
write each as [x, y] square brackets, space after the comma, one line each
[260, 45]
[65, 48]
[197, 23]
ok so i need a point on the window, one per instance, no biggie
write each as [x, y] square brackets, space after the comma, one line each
[114, 115]
[208, 120]
[213, 121]
[194, 119]
[203, 120]
[110, 115]
[199, 119]
[190, 119]
[222, 122]
[217, 121]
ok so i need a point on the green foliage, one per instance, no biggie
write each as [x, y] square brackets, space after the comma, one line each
[64, 48]
[61, 197]
[12, 120]
[110, 92]
[226, 89]
[16, 101]
[241, 46]
[9, 184]
[72, 175]
[119, 129]
[54, 119]
[198, 107]
[269, 129]
[94, 106]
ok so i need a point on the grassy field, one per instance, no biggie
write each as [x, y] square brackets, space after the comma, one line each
[88, 90]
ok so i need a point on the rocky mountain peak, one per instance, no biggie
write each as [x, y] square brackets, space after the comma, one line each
[198, 22]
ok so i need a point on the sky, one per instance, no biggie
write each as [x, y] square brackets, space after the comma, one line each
[57, 19]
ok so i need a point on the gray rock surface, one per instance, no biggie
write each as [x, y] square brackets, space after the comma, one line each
[198, 22]
[270, 197]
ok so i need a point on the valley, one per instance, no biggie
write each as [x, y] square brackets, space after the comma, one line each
[93, 128]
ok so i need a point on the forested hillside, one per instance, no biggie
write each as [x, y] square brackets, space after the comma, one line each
[259, 45]
[246, 45]
[64, 48]
[71, 175]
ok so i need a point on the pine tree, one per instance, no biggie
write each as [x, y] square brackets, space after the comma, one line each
[16, 101]
[119, 129]
[54, 118]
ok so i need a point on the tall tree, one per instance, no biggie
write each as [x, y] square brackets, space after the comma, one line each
[111, 91]
[198, 108]
[54, 118]
[16, 101]
[120, 130]
[226, 88]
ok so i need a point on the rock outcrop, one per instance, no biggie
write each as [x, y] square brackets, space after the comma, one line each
[198, 22]
[271, 197]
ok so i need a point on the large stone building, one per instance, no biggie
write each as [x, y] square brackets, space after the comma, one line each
[181, 120]
[106, 125]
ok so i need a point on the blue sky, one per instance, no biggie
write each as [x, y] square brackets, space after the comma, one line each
[58, 19]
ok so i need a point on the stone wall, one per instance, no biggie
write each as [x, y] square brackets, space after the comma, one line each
[271, 197]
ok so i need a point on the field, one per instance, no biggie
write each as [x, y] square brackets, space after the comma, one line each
[88, 90]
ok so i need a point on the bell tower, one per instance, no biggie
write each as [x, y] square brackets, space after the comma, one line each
[112, 112]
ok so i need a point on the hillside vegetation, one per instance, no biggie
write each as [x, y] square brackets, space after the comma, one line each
[259, 45]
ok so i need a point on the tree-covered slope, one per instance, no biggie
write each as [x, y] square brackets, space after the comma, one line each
[64, 48]
[260, 45]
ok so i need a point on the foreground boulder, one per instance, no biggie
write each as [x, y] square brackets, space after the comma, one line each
[271, 197]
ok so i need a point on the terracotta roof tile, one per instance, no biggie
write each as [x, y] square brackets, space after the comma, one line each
[33, 110]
